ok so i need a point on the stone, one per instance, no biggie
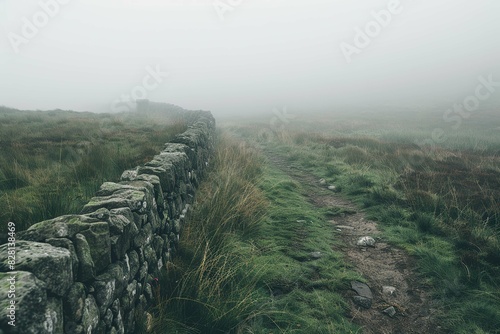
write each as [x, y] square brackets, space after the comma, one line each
[134, 263]
[345, 227]
[157, 245]
[108, 286]
[143, 272]
[150, 256]
[118, 318]
[61, 227]
[362, 301]
[108, 318]
[132, 199]
[90, 318]
[118, 224]
[54, 322]
[332, 188]
[126, 212]
[366, 241]
[388, 290]
[74, 302]
[322, 182]
[316, 255]
[98, 239]
[31, 302]
[86, 270]
[148, 292]
[104, 293]
[53, 265]
[144, 237]
[66, 243]
[390, 311]
[362, 289]
[101, 214]
[131, 291]
[129, 175]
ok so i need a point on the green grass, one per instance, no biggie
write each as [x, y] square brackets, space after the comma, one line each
[52, 162]
[244, 264]
[440, 205]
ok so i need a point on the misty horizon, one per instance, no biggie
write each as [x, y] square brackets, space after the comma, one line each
[247, 57]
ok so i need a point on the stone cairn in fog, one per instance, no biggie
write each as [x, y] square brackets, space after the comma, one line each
[96, 272]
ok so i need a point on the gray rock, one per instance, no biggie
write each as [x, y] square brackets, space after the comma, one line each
[148, 292]
[66, 243]
[60, 227]
[345, 227]
[108, 286]
[74, 302]
[366, 241]
[322, 182]
[90, 318]
[126, 212]
[144, 237]
[101, 214]
[108, 318]
[143, 272]
[316, 255]
[388, 290]
[158, 244]
[332, 188]
[129, 175]
[86, 269]
[30, 302]
[362, 301]
[362, 289]
[105, 289]
[118, 317]
[98, 238]
[390, 311]
[54, 322]
[167, 180]
[118, 224]
[53, 265]
[134, 263]
[150, 256]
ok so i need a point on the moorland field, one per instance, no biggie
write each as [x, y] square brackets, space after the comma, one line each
[244, 263]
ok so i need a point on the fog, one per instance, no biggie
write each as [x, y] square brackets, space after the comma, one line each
[247, 56]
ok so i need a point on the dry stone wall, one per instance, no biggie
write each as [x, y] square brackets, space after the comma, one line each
[94, 272]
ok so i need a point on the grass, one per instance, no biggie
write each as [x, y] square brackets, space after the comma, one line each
[52, 162]
[244, 263]
[441, 205]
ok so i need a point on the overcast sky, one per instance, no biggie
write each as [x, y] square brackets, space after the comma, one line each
[245, 56]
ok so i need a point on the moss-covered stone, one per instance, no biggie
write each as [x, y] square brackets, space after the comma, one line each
[90, 318]
[74, 302]
[86, 269]
[51, 264]
[100, 245]
[61, 227]
[30, 297]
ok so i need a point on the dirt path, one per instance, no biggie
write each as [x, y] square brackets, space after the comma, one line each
[382, 266]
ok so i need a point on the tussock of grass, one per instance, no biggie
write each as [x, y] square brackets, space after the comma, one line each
[211, 286]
